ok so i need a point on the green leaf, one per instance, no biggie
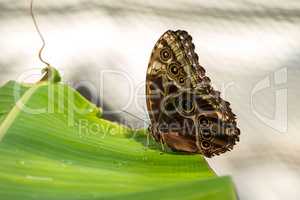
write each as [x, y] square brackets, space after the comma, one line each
[55, 145]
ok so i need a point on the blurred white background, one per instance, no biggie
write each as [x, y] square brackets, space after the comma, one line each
[250, 49]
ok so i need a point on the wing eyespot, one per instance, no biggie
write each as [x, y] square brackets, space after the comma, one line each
[165, 54]
[206, 134]
[203, 121]
[173, 70]
[185, 105]
[181, 80]
[205, 145]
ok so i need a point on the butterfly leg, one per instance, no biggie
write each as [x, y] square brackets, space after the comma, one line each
[162, 143]
[159, 137]
[150, 133]
[148, 140]
[197, 137]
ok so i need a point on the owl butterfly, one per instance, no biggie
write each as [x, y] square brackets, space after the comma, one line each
[186, 113]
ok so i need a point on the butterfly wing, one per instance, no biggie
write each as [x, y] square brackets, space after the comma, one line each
[165, 77]
[185, 111]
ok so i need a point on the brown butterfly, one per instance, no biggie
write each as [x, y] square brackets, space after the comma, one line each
[186, 113]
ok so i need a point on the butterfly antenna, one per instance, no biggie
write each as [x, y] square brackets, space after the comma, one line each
[40, 35]
[139, 118]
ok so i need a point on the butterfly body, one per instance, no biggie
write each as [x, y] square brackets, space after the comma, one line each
[186, 113]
